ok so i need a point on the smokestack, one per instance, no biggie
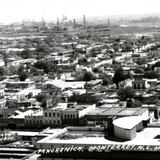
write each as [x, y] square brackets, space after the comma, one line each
[42, 19]
[57, 23]
[84, 20]
[74, 23]
[108, 21]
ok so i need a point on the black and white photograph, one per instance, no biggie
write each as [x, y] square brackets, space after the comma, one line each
[79, 79]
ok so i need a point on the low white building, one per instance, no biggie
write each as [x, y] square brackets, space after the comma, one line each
[126, 127]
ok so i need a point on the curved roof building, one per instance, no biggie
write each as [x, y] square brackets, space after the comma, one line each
[126, 127]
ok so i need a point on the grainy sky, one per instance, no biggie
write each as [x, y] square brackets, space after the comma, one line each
[16, 10]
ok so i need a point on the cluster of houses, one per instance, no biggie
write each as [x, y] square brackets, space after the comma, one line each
[19, 107]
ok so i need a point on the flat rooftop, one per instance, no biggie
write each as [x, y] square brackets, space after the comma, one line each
[106, 111]
[118, 111]
[146, 137]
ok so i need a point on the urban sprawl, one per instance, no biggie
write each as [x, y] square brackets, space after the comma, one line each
[74, 86]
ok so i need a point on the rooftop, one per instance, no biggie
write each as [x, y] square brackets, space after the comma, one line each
[118, 111]
[22, 115]
[127, 122]
[146, 137]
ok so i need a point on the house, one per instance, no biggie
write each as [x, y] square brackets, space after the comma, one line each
[19, 85]
[139, 83]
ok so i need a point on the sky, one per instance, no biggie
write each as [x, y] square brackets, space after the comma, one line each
[17, 10]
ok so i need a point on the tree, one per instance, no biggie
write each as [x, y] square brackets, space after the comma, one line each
[140, 61]
[26, 54]
[22, 75]
[21, 69]
[118, 76]
[138, 70]
[106, 81]
[116, 46]
[5, 57]
[157, 64]
[42, 65]
[34, 71]
[126, 93]
[95, 70]
[84, 98]
[151, 75]
[82, 61]
[51, 89]
[88, 76]
[43, 99]
[131, 104]
[42, 47]
[2, 71]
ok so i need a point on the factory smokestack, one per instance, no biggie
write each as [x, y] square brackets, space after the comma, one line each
[57, 23]
[84, 20]
[74, 23]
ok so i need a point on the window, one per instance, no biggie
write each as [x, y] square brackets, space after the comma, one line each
[135, 86]
[53, 114]
[57, 114]
[139, 86]
[143, 86]
[49, 114]
[58, 121]
[46, 114]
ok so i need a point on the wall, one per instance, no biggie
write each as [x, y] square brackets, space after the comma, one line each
[126, 134]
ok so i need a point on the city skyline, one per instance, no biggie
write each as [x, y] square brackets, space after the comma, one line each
[18, 10]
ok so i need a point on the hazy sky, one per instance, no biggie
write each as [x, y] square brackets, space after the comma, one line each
[16, 10]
